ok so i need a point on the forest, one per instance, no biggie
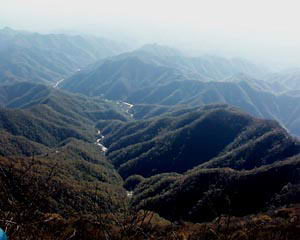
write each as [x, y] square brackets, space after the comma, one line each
[98, 141]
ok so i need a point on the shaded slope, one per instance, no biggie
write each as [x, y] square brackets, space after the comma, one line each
[217, 136]
[21, 123]
[45, 130]
[203, 194]
[75, 177]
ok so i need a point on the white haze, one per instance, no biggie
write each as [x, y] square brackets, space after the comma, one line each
[265, 31]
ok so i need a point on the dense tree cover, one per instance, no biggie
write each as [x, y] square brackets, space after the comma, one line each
[27, 95]
[77, 165]
[59, 132]
[30, 220]
[213, 136]
[76, 186]
[46, 131]
[185, 162]
[22, 123]
[133, 181]
[19, 146]
[35, 191]
[49, 116]
[203, 194]
[146, 111]
[273, 225]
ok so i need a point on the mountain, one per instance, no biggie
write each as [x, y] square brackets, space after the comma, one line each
[70, 178]
[54, 170]
[289, 78]
[206, 67]
[204, 162]
[259, 84]
[215, 136]
[203, 194]
[282, 107]
[154, 148]
[49, 116]
[49, 146]
[48, 58]
[159, 75]
[152, 65]
[118, 79]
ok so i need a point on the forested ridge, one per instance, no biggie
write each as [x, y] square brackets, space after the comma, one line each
[146, 144]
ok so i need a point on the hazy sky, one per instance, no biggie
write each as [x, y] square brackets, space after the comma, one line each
[267, 30]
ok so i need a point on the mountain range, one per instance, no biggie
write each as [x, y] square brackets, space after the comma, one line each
[159, 75]
[27, 56]
[170, 143]
[100, 143]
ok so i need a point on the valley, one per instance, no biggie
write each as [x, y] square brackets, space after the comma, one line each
[99, 142]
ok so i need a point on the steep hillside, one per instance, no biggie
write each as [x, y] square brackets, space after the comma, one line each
[160, 75]
[283, 107]
[50, 158]
[37, 116]
[150, 66]
[22, 123]
[203, 194]
[75, 177]
[55, 127]
[154, 132]
[36, 97]
[12, 145]
[214, 136]
[118, 79]
[48, 58]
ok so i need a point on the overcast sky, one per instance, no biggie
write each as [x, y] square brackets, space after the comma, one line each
[265, 30]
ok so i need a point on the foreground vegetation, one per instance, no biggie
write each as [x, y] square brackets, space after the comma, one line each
[189, 173]
[37, 206]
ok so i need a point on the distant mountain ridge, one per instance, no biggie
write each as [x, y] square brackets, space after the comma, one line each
[47, 58]
[290, 78]
[121, 70]
[161, 75]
